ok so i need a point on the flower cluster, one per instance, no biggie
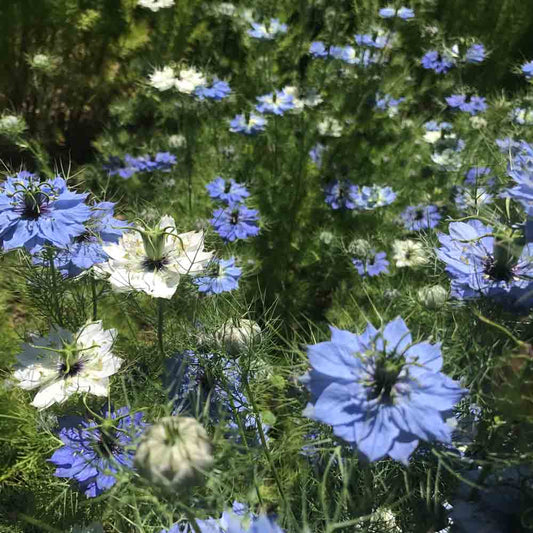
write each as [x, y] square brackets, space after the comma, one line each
[420, 217]
[162, 161]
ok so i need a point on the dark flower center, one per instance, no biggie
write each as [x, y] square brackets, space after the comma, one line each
[234, 218]
[84, 237]
[385, 377]
[107, 443]
[498, 270]
[155, 264]
[419, 214]
[68, 371]
[34, 205]
[227, 187]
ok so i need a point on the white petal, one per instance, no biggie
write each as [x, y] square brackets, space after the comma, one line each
[54, 393]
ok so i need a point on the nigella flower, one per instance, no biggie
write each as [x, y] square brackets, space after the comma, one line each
[228, 191]
[224, 276]
[508, 145]
[218, 90]
[340, 194]
[86, 249]
[389, 104]
[267, 31]
[447, 153]
[378, 40]
[163, 161]
[522, 116]
[155, 5]
[474, 175]
[405, 13]
[235, 222]
[409, 253]
[380, 391]
[420, 217]
[152, 260]
[439, 63]
[474, 105]
[163, 79]
[374, 266]
[319, 50]
[521, 172]
[475, 54]
[370, 198]
[248, 124]
[94, 452]
[188, 80]
[63, 364]
[479, 263]
[471, 197]
[276, 103]
[527, 70]
[316, 154]
[436, 130]
[34, 213]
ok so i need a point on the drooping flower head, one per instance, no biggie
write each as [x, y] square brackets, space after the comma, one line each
[63, 364]
[267, 31]
[228, 191]
[248, 124]
[341, 194]
[420, 217]
[35, 213]
[380, 391]
[235, 222]
[152, 260]
[479, 262]
[223, 276]
[93, 452]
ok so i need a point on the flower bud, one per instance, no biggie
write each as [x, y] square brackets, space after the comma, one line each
[433, 297]
[237, 337]
[174, 453]
[359, 248]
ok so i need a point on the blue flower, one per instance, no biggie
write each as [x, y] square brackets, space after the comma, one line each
[248, 125]
[404, 13]
[340, 194]
[366, 39]
[420, 217]
[86, 249]
[380, 391]
[224, 278]
[474, 105]
[527, 70]
[318, 49]
[163, 161]
[474, 175]
[267, 31]
[370, 198]
[433, 125]
[235, 222]
[316, 154]
[522, 116]
[475, 53]
[229, 191]
[34, 213]
[92, 453]
[374, 266]
[276, 103]
[521, 172]
[217, 91]
[480, 264]
[389, 104]
[439, 63]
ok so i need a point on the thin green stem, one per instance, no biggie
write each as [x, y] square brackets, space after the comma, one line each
[160, 319]
[94, 298]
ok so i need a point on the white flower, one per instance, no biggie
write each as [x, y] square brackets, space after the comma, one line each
[311, 99]
[238, 337]
[153, 261]
[177, 140]
[155, 5]
[188, 80]
[409, 253]
[432, 136]
[174, 452]
[163, 79]
[225, 8]
[330, 127]
[478, 123]
[63, 364]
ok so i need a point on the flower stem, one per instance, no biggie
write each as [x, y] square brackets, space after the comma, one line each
[94, 298]
[160, 316]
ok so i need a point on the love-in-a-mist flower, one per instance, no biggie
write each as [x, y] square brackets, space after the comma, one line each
[12, 126]
[420, 217]
[223, 276]
[372, 265]
[235, 222]
[86, 250]
[267, 31]
[527, 70]
[163, 79]
[34, 213]
[94, 451]
[480, 262]
[436, 130]
[329, 127]
[275, 103]
[228, 191]
[155, 5]
[248, 124]
[188, 80]
[475, 54]
[409, 253]
[340, 194]
[405, 13]
[472, 105]
[318, 49]
[152, 260]
[370, 198]
[63, 364]
[218, 90]
[438, 62]
[380, 391]
[522, 116]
